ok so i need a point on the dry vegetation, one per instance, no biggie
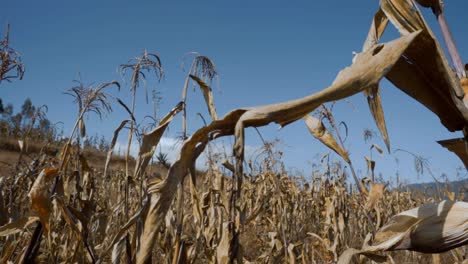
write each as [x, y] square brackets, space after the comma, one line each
[284, 218]
[67, 206]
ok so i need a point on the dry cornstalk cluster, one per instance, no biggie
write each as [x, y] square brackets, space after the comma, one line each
[282, 218]
[60, 209]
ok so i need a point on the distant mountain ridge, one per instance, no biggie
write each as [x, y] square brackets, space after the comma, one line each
[430, 188]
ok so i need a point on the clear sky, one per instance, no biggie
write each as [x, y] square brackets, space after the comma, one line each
[265, 52]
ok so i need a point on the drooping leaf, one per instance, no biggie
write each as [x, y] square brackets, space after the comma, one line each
[318, 130]
[112, 145]
[40, 194]
[151, 139]
[207, 94]
[375, 105]
[376, 192]
[372, 93]
[377, 147]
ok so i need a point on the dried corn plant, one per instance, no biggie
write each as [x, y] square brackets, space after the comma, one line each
[11, 66]
[240, 210]
[147, 62]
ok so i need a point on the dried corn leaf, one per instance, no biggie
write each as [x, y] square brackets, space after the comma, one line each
[8, 250]
[82, 128]
[151, 139]
[375, 105]
[441, 227]
[223, 249]
[226, 164]
[376, 192]
[208, 95]
[196, 205]
[430, 228]
[120, 235]
[17, 226]
[457, 146]
[379, 149]
[291, 255]
[374, 101]
[39, 195]
[21, 145]
[403, 14]
[370, 166]
[65, 156]
[78, 226]
[72, 220]
[85, 168]
[117, 251]
[393, 237]
[112, 145]
[450, 195]
[424, 72]
[379, 23]
[3, 211]
[318, 130]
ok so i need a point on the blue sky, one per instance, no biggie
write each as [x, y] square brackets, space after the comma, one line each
[265, 52]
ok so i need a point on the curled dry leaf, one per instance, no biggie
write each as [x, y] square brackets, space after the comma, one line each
[40, 194]
[318, 130]
[207, 94]
[377, 147]
[430, 228]
[439, 227]
[376, 192]
[375, 105]
[151, 140]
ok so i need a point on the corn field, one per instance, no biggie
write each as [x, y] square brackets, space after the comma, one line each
[67, 208]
